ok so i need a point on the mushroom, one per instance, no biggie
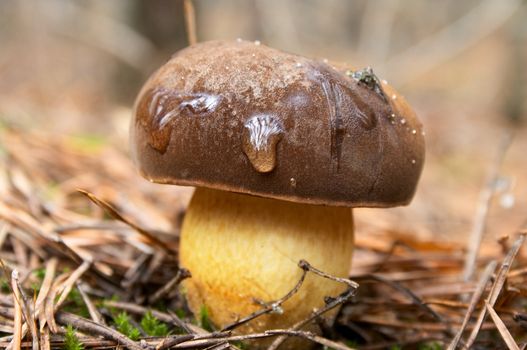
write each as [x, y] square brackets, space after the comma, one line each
[279, 147]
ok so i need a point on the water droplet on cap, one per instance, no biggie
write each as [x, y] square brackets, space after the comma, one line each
[277, 309]
[292, 181]
[394, 97]
[414, 131]
[262, 133]
[413, 161]
[507, 200]
[201, 103]
[257, 42]
[403, 121]
[164, 106]
[239, 40]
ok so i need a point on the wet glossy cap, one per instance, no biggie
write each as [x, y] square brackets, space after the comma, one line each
[240, 116]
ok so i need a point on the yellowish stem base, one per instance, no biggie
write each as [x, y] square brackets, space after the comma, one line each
[241, 248]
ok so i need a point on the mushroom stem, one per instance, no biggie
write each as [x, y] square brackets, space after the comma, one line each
[241, 248]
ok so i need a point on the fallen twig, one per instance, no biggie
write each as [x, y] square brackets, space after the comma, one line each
[181, 274]
[274, 306]
[507, 337]
[496, 287]
[89, 327]
[484, 280]
[17, 335]
[190, 21]
[331, 302]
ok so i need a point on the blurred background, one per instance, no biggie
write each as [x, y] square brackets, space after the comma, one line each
[73, 68]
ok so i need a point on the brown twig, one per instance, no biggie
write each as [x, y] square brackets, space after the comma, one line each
[17, 335]
[70, 281]
[133, 274]
[388, 255]
[89, 327]
[507, 337]
[169, 317]
[496, 287]
[403, 290]
[94, 313]
[385, 321]
[172, 341]
[331, 302]
[274, 306]
[29, 320]
[45, 343]
[181, 274]
[45, 287]
[169, 342]
[190, 21]
[189, 328]
[199, 342]
[116, 215]
[401, 343]
[49, 303]
[484, 280]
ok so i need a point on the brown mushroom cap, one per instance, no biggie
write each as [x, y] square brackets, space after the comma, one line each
[242, 117]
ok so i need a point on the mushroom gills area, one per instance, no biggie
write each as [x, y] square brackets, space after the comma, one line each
[241, 249]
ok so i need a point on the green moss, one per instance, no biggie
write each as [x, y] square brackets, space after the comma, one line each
[352, 344]
[4, 286]
[123, 325]
[180, 313]
[38, 275]
[240, 345]
[75, 304]
[153, 327]
[71, 342]
[204, 319]
[430, 346]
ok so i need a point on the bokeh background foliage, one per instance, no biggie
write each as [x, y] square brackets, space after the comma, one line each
[69, 73]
